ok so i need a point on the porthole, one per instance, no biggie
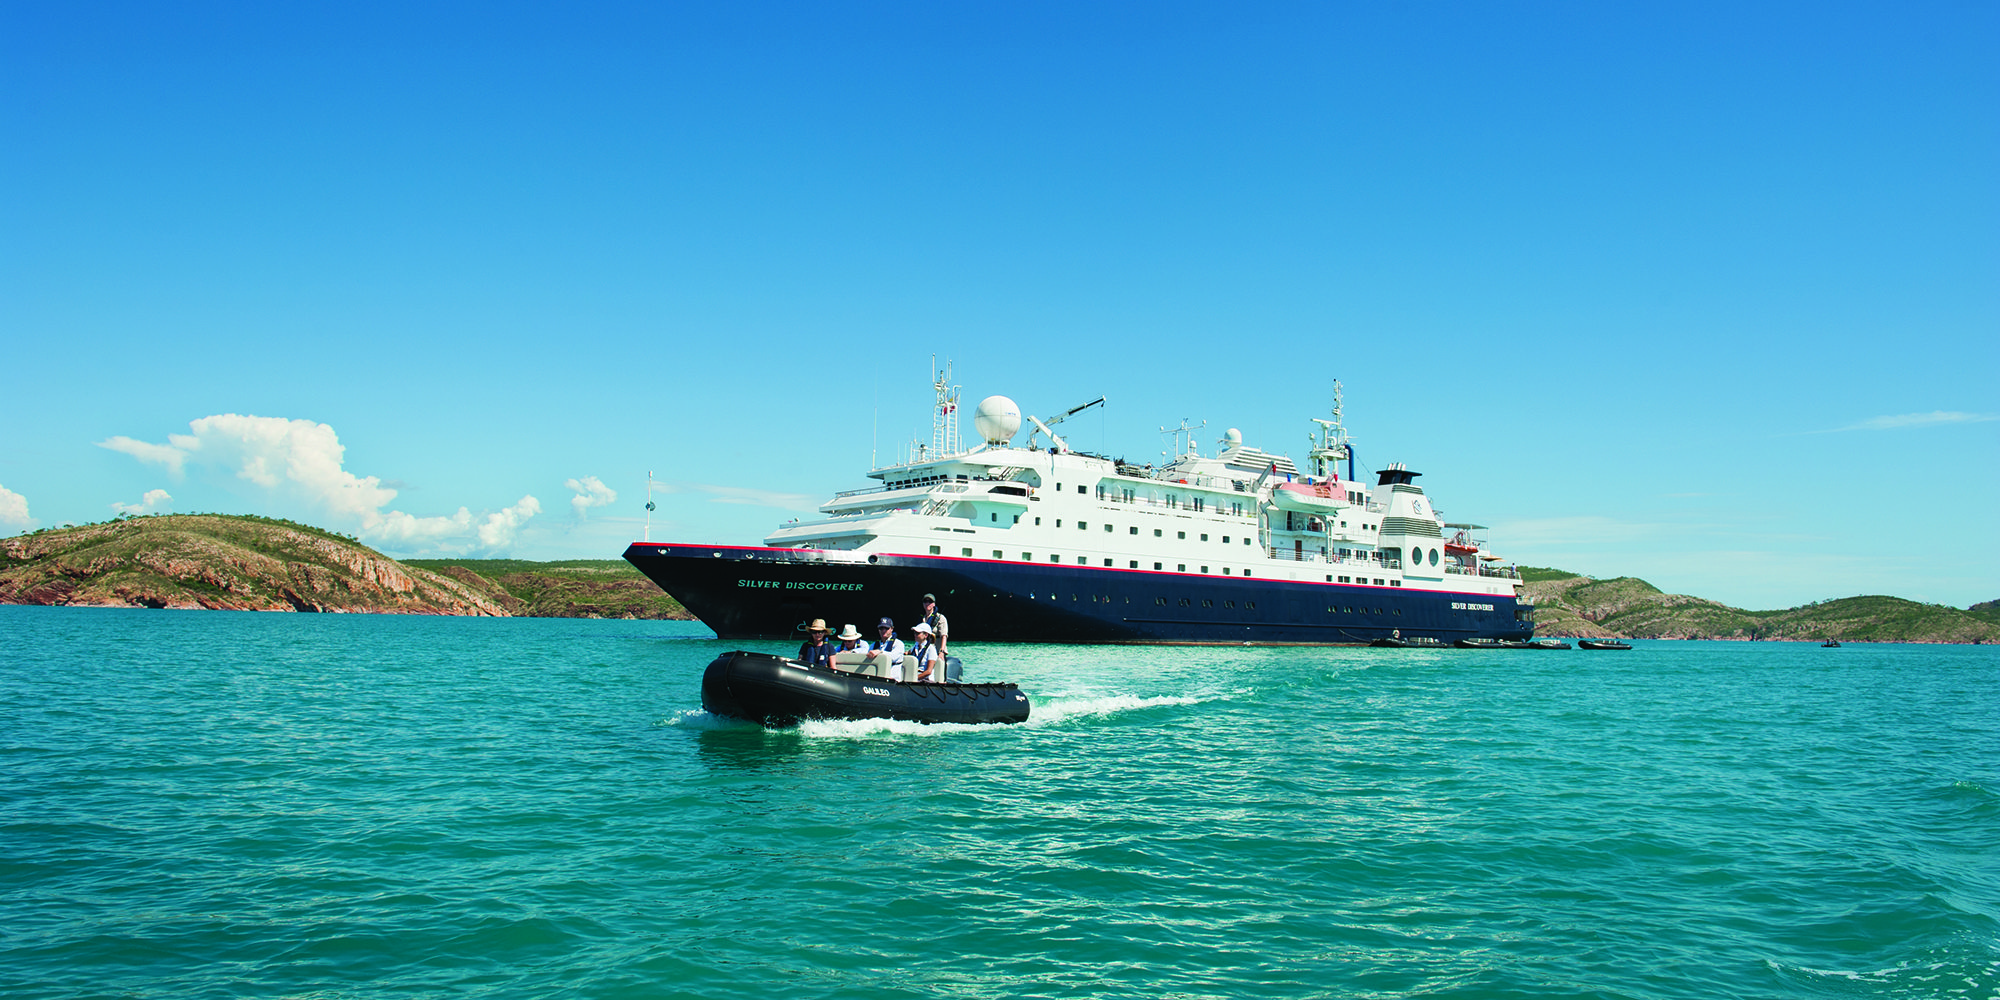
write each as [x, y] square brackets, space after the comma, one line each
[1228, 604]
[1207, 603]
[1161, 601]
[1249, 605]
[1184, 602]
[1434, 557]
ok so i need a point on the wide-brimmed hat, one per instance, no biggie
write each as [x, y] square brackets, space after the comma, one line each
[848, 632]
[816, 625]
[922, 627]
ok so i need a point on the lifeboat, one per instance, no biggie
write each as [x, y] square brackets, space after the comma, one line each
[775, 691]
[1310, 497]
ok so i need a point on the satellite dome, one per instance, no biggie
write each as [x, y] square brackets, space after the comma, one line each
[997, 420]
[1232, 438]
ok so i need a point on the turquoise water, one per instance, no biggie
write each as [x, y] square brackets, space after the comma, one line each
[219, 804]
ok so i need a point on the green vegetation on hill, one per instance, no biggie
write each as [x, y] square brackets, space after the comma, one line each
[568, 588]
[1568, 604]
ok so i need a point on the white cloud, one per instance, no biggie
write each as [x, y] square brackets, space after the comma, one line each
[165, 455]
[305, 460]
[589, 493]
[152, 501]
[1931, 419]
[14, 510]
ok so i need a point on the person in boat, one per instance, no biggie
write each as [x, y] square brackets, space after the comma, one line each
[888, 649]
[850, 640]
[935, 619]
[928, 666]
[817, 651]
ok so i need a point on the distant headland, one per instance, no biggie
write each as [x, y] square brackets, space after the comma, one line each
[237, 562]
[242, 562]
[1629, 608]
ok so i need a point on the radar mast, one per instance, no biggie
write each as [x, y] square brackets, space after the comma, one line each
[1330, 445]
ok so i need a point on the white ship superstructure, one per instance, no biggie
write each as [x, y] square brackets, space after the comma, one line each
[1241, 512]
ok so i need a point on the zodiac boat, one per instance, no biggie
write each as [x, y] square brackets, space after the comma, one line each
[776, 691]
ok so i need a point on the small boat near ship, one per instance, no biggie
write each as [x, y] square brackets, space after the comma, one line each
[1830, 644]
[776, 691]
[1602, 644]
[1483, 643]
[1409, 642]
[1545, 644]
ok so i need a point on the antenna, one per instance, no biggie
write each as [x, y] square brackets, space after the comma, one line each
[649, 505]
[944, 422]
[1184, 442]
[1331, 444]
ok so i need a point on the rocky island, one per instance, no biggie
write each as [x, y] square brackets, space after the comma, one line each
[261, 564]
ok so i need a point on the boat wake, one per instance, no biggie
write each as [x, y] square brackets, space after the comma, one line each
[1050, 712]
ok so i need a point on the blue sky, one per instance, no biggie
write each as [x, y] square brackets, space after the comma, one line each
[1705, 294]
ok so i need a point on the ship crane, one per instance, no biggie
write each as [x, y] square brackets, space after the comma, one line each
[1043, 428]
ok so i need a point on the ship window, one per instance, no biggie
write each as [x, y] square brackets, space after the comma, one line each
[1180, 534]
[1107, 527]
[997, 554]
[1156, 532]
[965, 552]
[1072, 597]
[1249, 605]
[1017, 519]
[1054, 558]
[1161, 601]
[1347, 611]
[1156, 566]
[1204, 536]
[1083, 525]
[1225, 539]
[1345, 580]
[1228, 604]
[1225, 571]
[1058, 487]
[1183, 567]
[1107, 562]
[1184, 602]
[1038, 522]
[1135, 529]
[1246, 541]
[1135, 564]
[1199, 503]
[1029, 556]
[1246, 572]
[1059, 522]
[1080, 489]
[1398, 612]
[1395, 583]
[1434, 557]
[934, 550]
[1206, 603]
[1204, 569]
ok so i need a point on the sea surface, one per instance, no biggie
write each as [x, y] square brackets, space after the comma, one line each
[224, 804]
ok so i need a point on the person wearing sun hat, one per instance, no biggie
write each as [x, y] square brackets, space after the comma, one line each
[850, 640]
[816, 651]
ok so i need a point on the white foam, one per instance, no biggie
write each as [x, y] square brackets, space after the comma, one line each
[695, 718]
[1057, 711]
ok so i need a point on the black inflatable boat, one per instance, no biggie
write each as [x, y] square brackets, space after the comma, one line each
[779, 692]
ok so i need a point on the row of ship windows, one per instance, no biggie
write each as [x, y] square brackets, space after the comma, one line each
[1085, 561]
[1209, 602]
[1196, 503]
[1157, 532]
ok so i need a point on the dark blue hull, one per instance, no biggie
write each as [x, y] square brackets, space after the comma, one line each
[765, 593]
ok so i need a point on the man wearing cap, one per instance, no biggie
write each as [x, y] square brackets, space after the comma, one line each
[816, 652]
[888, 649]
[935, 619]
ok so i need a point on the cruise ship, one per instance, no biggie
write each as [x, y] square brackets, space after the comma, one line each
[1036, 541]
